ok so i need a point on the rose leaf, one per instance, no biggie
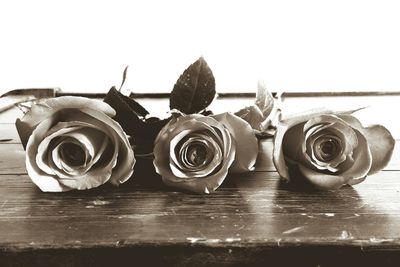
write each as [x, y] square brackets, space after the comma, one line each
[264, 99]
[195, 88]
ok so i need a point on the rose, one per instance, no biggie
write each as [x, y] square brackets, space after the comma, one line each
[330, 150]
[195, 152]
[73, 143]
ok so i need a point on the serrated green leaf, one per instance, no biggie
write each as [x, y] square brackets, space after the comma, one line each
[195, 88]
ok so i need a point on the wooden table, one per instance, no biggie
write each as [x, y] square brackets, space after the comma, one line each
[253, 219]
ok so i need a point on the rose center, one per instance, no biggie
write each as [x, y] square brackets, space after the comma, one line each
[327, 149]
[196, 154]
[72, 154]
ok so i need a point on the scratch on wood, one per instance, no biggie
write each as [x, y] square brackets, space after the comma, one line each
[293, 230]
[381, 240]
[194, 239]
[239, 226]
[139, 216]
[362, 206]
[99, 202]
[4, 203]
[345, 235]
[356, 215]
[203, 240]
[232, 239]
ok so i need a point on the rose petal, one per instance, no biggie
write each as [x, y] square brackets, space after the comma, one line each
[91, 179]
[44, 181]
[41, 156]
[362, 160]
[338, 127]
[104, 169]
[182, 171]
[293, 142]
[310, 151]
[95, 176]
[277, 153]
[66, 166]
[206, 184]
[380, 141]
[326, 125]
[334, 124]
[292, 152]
[282, 127]
[360, 168]
[246, 142]
[162, 152]
[353, 121]
[123, 170]
[85, 133]
[93, 140]
[186, 127]
[321, 180]
[331, 162]
[45, 108]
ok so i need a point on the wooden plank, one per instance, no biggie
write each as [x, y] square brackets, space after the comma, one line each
[12, 159]
[252, 220]
[252, 210]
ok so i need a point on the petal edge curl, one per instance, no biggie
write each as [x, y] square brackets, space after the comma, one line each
[246, 142]
[380, 140]
[45, 108]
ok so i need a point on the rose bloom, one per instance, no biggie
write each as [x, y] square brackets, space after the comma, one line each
[330, 150]
[195, 152]
[73, 143]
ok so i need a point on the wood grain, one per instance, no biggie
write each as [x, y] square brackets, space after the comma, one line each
[253, 215]
[249, 210]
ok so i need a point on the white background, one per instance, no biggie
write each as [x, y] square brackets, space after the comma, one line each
[83, 46]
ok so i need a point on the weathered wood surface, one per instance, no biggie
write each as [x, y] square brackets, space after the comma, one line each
[252, 216]
[249, 210]
[253, 219]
